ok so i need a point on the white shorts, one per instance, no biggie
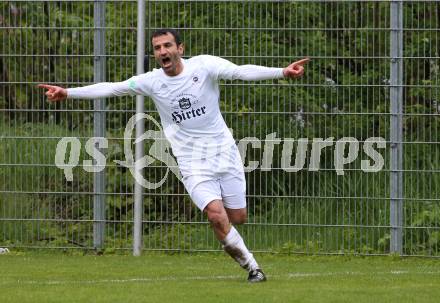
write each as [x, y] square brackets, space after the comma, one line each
[220, 177]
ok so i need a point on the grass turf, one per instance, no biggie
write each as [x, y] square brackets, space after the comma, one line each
[56, 277]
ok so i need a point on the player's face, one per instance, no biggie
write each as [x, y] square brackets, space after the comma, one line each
[168, 53]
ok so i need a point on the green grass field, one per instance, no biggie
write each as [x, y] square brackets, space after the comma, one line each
[56, 277]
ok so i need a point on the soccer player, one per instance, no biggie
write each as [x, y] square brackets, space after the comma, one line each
[186, 95]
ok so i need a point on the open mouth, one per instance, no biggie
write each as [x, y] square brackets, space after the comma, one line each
[166, 61]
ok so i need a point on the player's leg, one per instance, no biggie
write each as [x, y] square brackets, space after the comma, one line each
[227, 235]
[234, 199]
[218, 218]
[206, 196]
[237, 216]
[234, 245]
[206, 192]
[233, 192]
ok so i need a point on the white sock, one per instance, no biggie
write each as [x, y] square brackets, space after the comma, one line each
[233, 244]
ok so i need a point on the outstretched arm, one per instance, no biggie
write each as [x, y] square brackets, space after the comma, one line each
[256, 72]
[95, 91]
[224, 69]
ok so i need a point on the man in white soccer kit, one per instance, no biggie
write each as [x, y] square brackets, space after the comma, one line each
[186, 94]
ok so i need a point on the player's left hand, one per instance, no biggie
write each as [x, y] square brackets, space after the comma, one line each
[296, 69]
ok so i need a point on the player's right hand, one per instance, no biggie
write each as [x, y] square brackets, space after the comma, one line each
[54, 93]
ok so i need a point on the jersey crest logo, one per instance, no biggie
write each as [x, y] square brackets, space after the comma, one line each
[184, 103]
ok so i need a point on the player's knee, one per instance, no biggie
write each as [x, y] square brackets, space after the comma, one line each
[239, 219]
[237, 216]
[217, 217]
[216, 213]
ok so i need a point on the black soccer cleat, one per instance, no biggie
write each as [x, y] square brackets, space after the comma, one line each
[256, 276]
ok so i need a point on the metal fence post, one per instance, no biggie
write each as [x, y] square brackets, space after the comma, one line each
[99, 123]
[396, 135]
[139, 147]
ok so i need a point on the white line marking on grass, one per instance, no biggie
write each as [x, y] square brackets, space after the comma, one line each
[399, 272]
[327, 274]
[158, 279]
[353, 273]
[213, 278]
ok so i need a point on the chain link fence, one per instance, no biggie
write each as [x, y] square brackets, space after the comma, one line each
[371, 89]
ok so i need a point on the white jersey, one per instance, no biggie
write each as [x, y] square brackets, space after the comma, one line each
[188, 104]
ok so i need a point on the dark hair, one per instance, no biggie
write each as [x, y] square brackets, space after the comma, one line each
[164, 31]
